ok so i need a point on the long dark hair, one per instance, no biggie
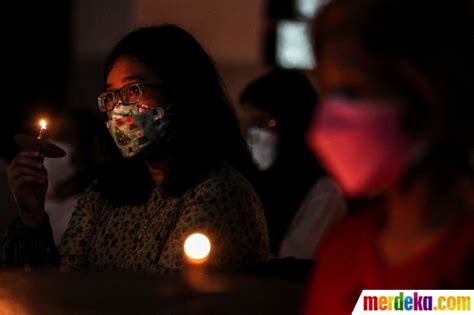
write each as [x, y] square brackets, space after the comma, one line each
[206, 130]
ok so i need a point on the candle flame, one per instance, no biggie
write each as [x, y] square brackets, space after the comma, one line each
[43, 124]
[197, 248]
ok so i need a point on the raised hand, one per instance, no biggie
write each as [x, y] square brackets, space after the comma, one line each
[28, 180]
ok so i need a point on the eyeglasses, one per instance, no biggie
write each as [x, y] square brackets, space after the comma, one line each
[130, 94]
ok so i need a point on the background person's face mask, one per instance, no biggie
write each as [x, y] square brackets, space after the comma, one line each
[263, 146]
[132, 128]
[361, 144]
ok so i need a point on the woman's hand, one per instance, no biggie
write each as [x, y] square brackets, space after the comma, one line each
[28, 182]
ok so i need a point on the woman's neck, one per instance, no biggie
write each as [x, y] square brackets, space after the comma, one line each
[157, 170]
[406, 210]
[407, 229]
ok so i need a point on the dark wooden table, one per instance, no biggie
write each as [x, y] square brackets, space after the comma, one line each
[50, 293]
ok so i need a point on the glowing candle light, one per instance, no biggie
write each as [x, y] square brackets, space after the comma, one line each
[43, 124]
[197, 248]
[39, 144]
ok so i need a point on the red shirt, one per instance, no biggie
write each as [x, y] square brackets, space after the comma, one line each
[349, 262]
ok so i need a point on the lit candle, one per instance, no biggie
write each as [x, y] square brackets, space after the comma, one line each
[197, 276]
[197, 248]
[43, 125]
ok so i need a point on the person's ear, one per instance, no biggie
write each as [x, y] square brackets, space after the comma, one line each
[418, 81]
[424, 91]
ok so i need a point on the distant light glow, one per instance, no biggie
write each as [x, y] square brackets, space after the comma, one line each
[293, 45]
[197, 247]
[308, 8]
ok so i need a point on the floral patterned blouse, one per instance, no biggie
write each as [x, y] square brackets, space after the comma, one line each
[150, 237]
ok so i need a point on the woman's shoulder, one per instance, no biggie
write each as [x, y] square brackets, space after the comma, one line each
[90, 196]
[224, 185]
[223, 177]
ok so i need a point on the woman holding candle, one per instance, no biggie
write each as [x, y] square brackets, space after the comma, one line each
[180, 172]
[396, 79]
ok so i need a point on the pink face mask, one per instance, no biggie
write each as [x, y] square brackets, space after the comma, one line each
[361, 144]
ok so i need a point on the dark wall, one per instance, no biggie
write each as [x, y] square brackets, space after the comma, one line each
[36, 47]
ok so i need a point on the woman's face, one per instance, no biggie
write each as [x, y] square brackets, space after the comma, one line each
[127, 70]
[136, 107]
[359, 133]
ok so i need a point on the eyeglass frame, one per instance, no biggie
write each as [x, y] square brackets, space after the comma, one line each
[117, 95]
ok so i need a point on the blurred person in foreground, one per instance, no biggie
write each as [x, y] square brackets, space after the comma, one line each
[396, 79]
[176, 166]
[300, 201]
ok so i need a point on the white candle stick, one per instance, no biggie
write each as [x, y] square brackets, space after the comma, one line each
[43, 125]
